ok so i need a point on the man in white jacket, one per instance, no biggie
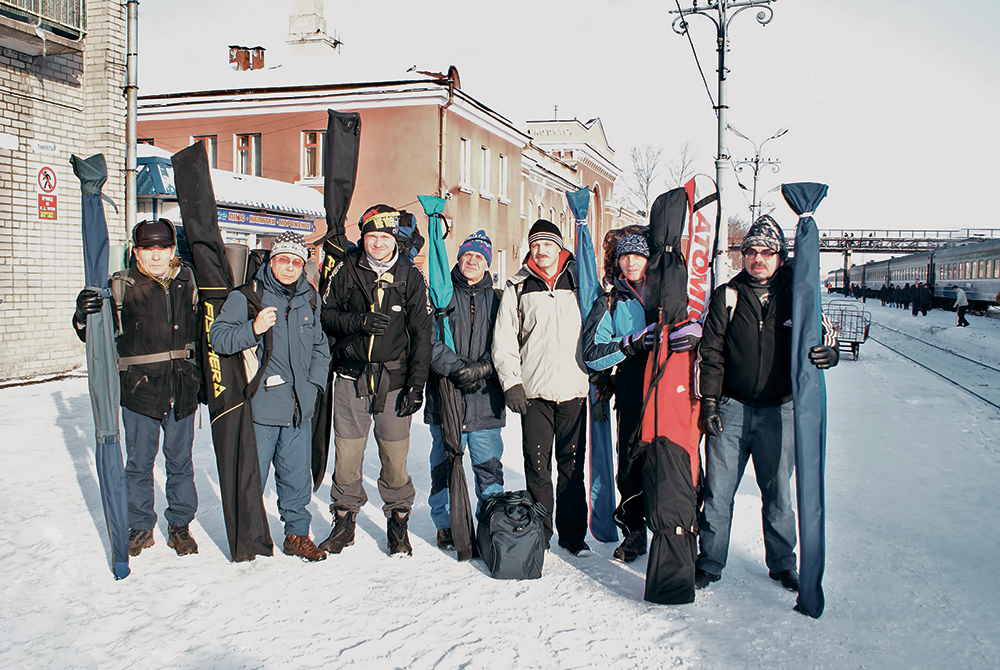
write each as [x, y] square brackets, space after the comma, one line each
[961, 304]
[538, 356]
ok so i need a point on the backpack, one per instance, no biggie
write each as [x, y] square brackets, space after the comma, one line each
[511, 535]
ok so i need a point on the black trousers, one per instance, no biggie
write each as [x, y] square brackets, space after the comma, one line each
[630, 515]
[566, 424]
[961, 315]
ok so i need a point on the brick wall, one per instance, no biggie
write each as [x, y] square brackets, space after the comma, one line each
[54, 106]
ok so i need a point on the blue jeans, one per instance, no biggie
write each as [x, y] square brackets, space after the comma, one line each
[290, 449]
[766, 434]
[142, 442]
[485, 449]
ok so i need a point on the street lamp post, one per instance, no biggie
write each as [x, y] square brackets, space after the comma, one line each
[755, 163]
[721, 12]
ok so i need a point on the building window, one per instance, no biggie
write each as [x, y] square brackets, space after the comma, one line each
[502, 178]
[248, 154]
[484, 173]
[145, 140]
[211, 148]
[313, 153]
[464, 163]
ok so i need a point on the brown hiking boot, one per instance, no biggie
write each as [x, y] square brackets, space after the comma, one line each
[179, 539]
[445, 539]
[399, 539]
[342, 535]
[303, 547]
[139, 540]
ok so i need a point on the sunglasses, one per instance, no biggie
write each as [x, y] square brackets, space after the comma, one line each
[296, 263]
[763, 254]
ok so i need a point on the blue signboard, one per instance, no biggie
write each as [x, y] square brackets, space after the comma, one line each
[233, 216]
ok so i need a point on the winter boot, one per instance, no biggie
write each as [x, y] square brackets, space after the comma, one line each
[632, 547]
[444, 539]
[342, 535]
[399, 539]
[139, 540]
[179, 539]
[303, 547]
[788, 578]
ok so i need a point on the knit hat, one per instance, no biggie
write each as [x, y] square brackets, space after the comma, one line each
[479, 242]
[159, 233]
[290, 243]
[633, 244]
[545, 230]
[379, 219]
[765, 232]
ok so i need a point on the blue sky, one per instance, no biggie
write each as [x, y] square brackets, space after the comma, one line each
[892, 104]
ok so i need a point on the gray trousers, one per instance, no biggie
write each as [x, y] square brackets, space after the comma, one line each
[351, 423]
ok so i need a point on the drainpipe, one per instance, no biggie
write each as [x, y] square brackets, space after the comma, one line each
[131, 88]
[442, 126]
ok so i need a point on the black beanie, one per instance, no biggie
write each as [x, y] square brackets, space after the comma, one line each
[379, 219]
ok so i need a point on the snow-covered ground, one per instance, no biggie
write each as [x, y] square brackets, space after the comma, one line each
[913, 546]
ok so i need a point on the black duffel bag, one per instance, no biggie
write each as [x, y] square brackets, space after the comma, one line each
[511, 535]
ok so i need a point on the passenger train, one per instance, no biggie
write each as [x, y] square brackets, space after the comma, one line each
[973, 267]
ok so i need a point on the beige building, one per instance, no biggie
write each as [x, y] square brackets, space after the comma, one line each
[62, 69]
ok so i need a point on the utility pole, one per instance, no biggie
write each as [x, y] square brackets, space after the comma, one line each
[755, 164]
[721, 13]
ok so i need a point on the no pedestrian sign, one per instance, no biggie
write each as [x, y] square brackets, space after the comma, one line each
[48, 209]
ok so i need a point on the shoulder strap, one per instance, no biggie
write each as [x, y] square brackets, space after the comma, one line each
[732, 297]
[119, 282]
[254, 293]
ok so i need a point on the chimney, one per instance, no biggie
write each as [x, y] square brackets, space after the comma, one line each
[246, 58]
[307, 28]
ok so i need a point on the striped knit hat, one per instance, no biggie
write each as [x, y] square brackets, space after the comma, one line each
[544, 230]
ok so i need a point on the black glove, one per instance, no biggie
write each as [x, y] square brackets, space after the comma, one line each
[824, 357]
[409, 401]
[468, 375]
[639, 342]
[374, 323]
[516, 399]
[709, 421]
[88, 301]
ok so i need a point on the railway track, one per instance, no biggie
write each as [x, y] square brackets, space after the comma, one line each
[976, 378]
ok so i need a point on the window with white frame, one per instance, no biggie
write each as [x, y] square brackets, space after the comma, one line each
[313, 149]
[464, 163]
[502, 178]
[211, 148]
[247, 154]
[484, 172]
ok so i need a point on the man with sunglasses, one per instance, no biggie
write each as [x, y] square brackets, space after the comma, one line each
[743, 376]
[295, 373]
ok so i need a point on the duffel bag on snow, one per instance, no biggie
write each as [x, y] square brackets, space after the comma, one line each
[511, 535]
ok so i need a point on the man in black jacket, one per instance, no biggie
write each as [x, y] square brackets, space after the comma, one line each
[471, 315]
[157, 328]
[376, 306]
[743, 376]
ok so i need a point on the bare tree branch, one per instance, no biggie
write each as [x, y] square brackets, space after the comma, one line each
[645, 164]
[682, 168]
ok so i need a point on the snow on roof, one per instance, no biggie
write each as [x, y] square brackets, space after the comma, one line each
[241, 190]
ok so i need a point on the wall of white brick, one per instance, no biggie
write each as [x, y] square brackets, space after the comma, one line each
[74, 102]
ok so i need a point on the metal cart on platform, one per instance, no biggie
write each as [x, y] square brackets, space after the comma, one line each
[852, 322]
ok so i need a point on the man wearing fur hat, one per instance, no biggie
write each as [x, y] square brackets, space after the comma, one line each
[471, 315]
[295, 372]
[743, 376]
[377, 307]
[157, 327]
[618, 334]
[538, 354]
